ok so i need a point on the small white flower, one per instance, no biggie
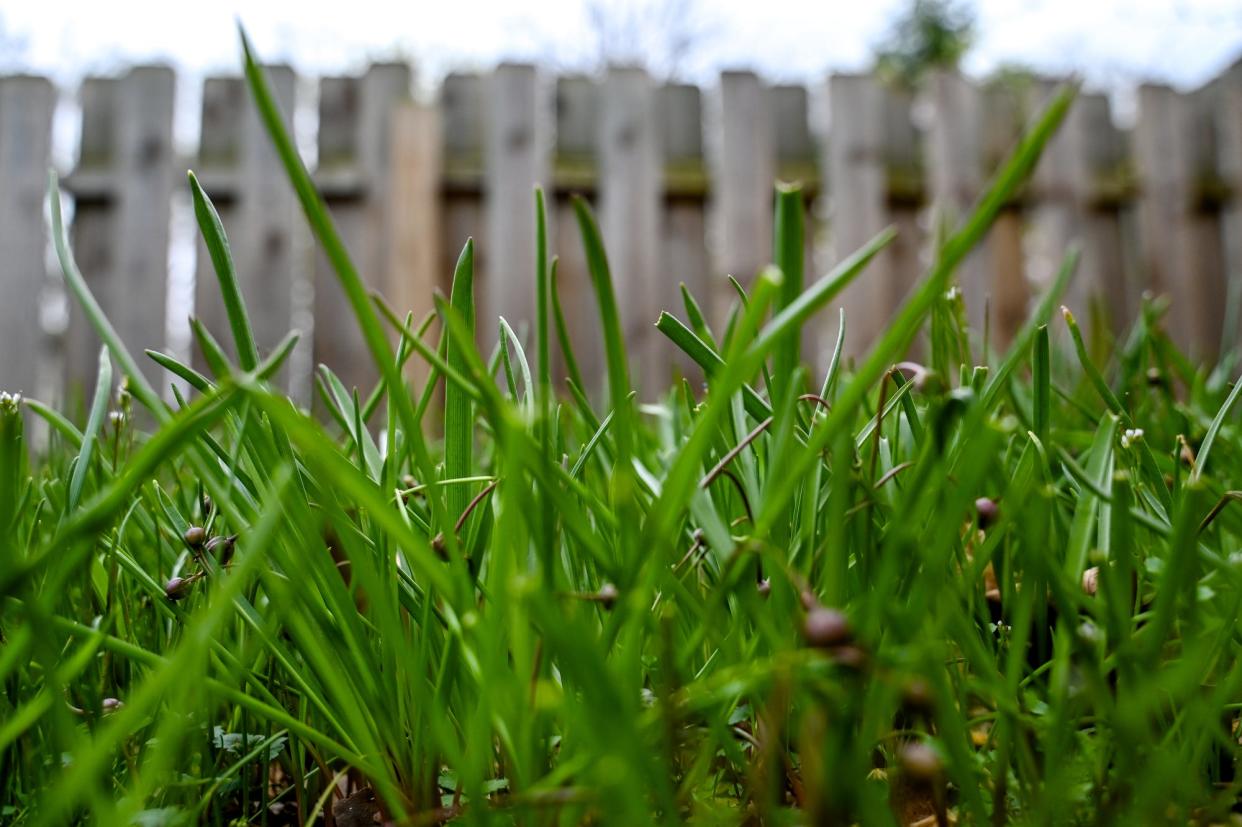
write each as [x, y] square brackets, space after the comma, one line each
[1131, 435]
[10, 401]
[953, 293]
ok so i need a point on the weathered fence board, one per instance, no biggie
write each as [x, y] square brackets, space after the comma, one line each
[240, 171]
[123, 188]
[857, 175]
[355, 173]
[414, 268]
[516, 160]
[955, 173]
[631, 214]
[744, 177]
[1156, 208]
[26, 105]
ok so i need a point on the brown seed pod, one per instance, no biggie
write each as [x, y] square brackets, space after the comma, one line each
[222, 547]
[177, 588]
[194, 536]
[919, 762]
[849, 657]
[1091, 581]
[827, 628]
[607, 595]
[917, 695]
[439, 546]
[987, 511]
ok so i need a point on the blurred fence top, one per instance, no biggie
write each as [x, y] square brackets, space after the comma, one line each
[681, 179]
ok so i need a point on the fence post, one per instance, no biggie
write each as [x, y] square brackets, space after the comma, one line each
[796, 161]
[1165, 158]
[414, 267]
[93, 232]
[462, 109]
[26, 105]
[574, 172]
[631, 214]
[955, 172]
[744, 179]
[856, 171]
[516, 159]
[1229, 161]
[123, 188]
[905, 257]
[683, 244]
[1004, 104]
[1205, 244]
[354, 172]
[243, 175]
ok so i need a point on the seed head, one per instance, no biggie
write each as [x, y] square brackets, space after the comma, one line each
[987, 511]
[222, 547]
[177, 588]
[1091, 580]
[920, 762]
[917, 695]
[607, 595]
[849, 656]
[827, 628]
[194, 536]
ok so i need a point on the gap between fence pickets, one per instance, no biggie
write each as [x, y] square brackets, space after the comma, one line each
[681, 179]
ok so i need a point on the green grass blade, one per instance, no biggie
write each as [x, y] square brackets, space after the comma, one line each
[1213, 430]
[562, 330]
[138, 384]
[619, 385]
[458, 409]
[1042, 384]
[787, 255]
[222, 260]
[94, 423]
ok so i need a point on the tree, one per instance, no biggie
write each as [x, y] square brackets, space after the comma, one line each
[931, 34]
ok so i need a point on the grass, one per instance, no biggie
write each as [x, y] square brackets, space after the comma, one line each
[976, 590]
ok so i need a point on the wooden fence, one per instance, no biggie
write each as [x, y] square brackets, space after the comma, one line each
[681, 179]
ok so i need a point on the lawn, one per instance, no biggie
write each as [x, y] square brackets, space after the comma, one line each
[989, 585]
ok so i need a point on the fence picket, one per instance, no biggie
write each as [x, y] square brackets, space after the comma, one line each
[26, 105]
[267, 234]
[355, 173]
[631, 214]
[515, 159]
[744, 176]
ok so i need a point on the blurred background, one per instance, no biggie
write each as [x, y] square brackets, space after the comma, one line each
[427, 123]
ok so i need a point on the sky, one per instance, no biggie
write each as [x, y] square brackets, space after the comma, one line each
[1110, 42]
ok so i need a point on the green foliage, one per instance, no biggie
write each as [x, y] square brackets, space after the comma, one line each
[931, 34]
[970, 592]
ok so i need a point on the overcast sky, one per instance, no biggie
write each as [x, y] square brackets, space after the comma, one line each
[1111, 42]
